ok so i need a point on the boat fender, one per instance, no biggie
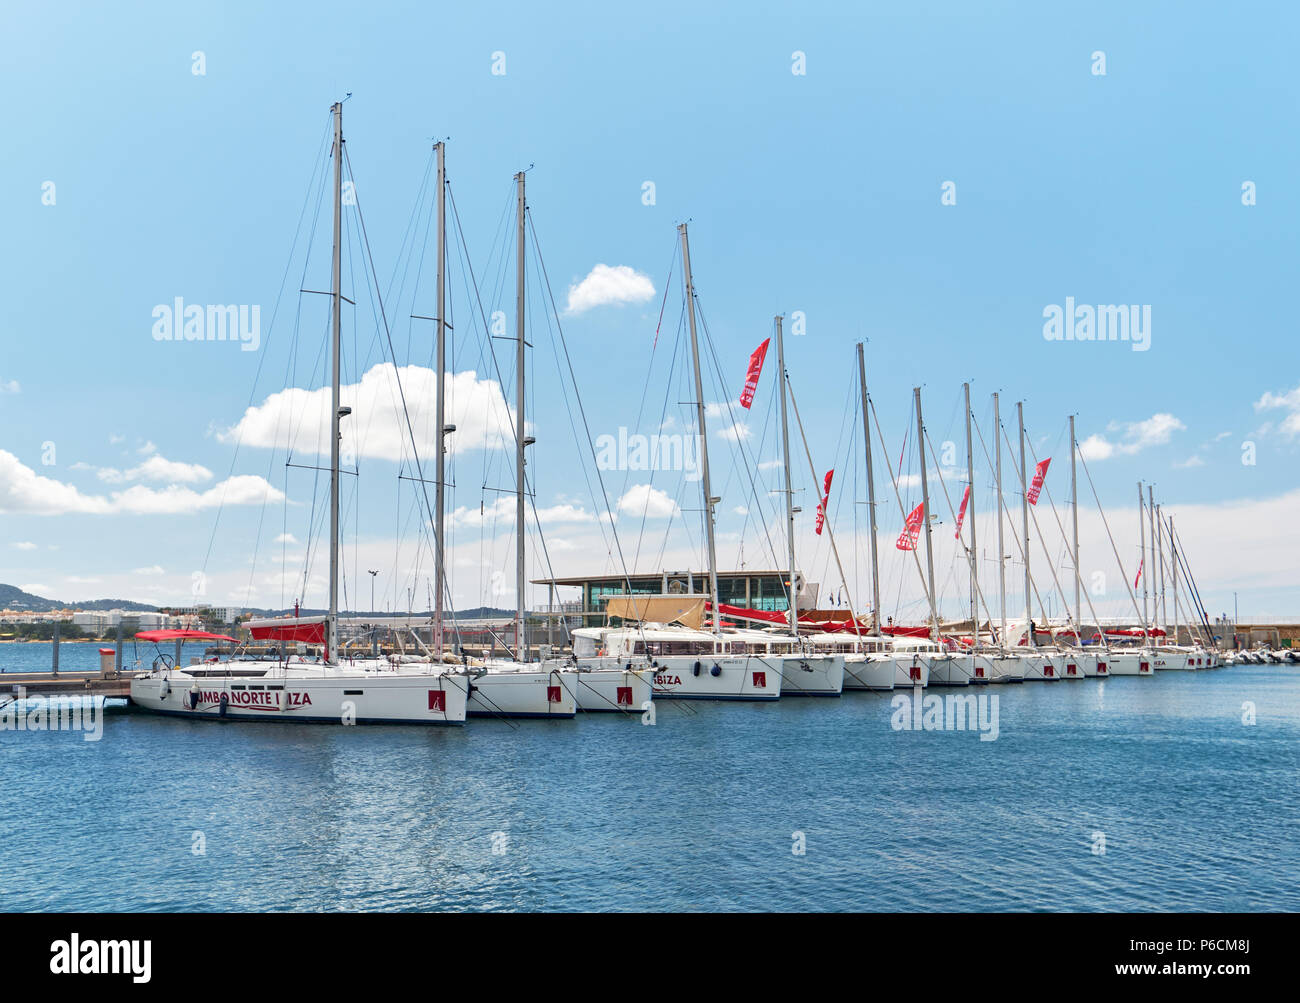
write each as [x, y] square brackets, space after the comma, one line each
[196, 695]
[629, 666]
[697, 668]
[225, 700]
[164, 688]
[716, 670]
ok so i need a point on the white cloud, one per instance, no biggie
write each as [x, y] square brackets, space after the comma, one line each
[154, 570]
[606, 284]
[286, 538]
[25, 545]
[299, 419]
[643, 499]
[156, 468]
[1191, 461]
[501, 514]
[734, 433]
[1288, 401]
[78, 580]
[37, 590]
[147, 449]
[1134, 436]
[23, 491]
[10, 387]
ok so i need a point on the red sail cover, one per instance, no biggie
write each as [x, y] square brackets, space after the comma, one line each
[752, 374]
[826, 497]
[308, 633]
[961, 513]
[773, 616]
[912, 529]
[1040, 472]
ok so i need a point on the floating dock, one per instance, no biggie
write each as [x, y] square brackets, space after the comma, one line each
[50, 684]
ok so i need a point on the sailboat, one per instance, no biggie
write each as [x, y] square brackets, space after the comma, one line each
[295, 688]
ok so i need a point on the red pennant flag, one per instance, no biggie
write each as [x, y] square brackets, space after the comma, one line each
[961, 512]
[1139, 574]
[752, 374]
[826, 497]
[911, 529]
[1040, 472]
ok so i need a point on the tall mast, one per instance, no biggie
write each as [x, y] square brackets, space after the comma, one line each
[970, 520]
[1024, 516]
[1173, 563]
[336, 326]
[521, 638]
[1074, 548]
[789, 488]
[925, 518]
[1157, 544]
[705, 485]
[1002, 561]
[1146, 572]
[440, 476]
[871, 493]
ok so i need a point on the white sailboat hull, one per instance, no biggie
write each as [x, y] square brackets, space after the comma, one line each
[1130, 663]
[812, 675]
[324, 697]
[946, 670]
[609, 690]
[520, 693]
[1006, 668]
[864, 672]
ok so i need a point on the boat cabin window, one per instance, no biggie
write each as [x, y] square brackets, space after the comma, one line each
[658, 648]
[584, 647]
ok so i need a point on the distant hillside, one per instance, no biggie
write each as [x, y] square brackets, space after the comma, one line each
[12, 597]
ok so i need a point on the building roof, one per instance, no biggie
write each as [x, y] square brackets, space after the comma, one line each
[639, 575]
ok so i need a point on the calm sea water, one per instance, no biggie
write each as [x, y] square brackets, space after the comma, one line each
[1199, 811]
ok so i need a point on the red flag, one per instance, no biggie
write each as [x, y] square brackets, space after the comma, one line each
[911, 529]
[961, 512]
[752, 374]
[1040, 472]
[826, 497]
[1139, 574]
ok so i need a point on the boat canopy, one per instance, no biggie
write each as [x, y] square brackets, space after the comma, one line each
[687, 610]
[306, 629]
[183, 635]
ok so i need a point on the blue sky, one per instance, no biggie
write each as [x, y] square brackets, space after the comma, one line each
[818, 193]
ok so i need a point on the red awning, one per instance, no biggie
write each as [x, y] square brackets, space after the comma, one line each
[182, 635]
[307, 633]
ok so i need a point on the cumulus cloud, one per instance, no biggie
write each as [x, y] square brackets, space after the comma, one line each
[610, 284]
[10, 387]
[643, 499]
[1133, 437]
[298, 419]
[25, 545]
[23, 491]
[156, 468]
[1288, 401]
[501, 514]
[286, 538]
